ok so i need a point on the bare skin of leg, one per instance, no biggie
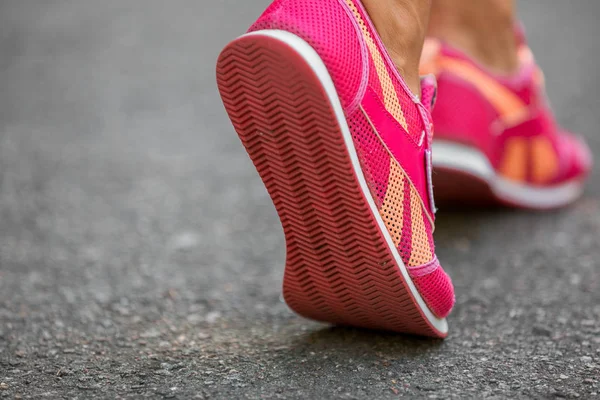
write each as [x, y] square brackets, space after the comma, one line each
[402, 25]
[483, 29]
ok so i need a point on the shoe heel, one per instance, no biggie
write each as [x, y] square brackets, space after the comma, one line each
[339, 268]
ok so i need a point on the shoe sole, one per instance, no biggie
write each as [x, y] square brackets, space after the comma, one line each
[341, 265]
[461, 169]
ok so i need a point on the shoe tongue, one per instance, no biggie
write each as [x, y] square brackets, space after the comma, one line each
[428, 91]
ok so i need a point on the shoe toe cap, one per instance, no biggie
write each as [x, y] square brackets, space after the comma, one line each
[436, 288]
[579, 156]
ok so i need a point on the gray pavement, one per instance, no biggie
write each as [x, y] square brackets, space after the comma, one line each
[140, 256]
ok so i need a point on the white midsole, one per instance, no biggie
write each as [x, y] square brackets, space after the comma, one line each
[462, 158]
[314, 61]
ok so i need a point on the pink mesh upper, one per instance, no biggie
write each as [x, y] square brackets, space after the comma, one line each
[328, 28]
[437, 290]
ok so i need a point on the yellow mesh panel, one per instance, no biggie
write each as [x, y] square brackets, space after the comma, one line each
[514, 163]
[544, 160]
[392, 210]
[390, 97]
[421, 250]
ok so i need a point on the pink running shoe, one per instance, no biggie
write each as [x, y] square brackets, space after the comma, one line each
[496, 138]
[343, 148]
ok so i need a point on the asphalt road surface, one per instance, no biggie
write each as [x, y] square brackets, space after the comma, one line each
[140, 256]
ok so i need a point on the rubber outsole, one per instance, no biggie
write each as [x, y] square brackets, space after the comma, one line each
[339, 267]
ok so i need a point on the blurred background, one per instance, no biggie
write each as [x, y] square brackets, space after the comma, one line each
[140, 254]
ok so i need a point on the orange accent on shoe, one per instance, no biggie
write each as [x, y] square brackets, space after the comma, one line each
[392, 209]
[515, 161]
[544, 160]
[511, 109]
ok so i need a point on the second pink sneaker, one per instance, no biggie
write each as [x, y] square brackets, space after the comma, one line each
[344, 150]
[496, 137]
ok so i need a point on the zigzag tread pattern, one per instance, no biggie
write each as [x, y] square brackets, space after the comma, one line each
[338, 268]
